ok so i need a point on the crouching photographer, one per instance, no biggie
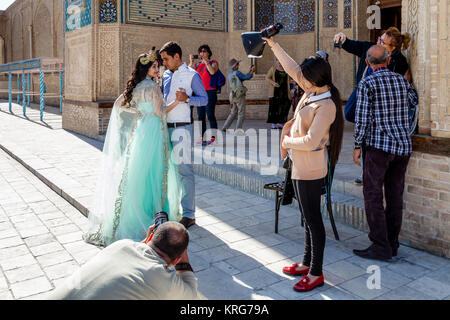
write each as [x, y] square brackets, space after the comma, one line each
[129, 270]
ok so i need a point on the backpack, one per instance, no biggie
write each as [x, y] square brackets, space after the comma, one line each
[217, 80]
[350, 106]
[237, 88]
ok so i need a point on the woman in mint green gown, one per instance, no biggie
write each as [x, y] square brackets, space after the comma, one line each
[138, 178]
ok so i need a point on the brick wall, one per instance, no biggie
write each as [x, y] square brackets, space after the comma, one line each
[427, 22]
[426, 222]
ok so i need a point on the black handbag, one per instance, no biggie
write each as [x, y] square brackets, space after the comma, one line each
[288, 192]
[287, 164]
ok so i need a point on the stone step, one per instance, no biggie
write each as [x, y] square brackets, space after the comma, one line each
[347, 209]
[342, 182]
[252, 111]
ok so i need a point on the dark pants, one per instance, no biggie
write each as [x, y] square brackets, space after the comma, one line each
[388, 170]
[208, 110]
[309, 194]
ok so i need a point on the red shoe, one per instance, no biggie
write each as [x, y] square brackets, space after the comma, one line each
[305, 284]
[210, 142]
[292, 270]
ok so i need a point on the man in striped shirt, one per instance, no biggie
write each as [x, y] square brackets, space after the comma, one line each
[382, 124]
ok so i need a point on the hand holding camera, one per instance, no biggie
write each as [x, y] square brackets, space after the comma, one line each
[149, 236]
[339, 40]
[270, 41]
[160, 218]
[254, 41]
[192, 58]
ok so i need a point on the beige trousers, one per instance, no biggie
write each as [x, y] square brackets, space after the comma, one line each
[237, 109]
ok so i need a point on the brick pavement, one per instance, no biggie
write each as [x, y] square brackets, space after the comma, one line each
[232, 247]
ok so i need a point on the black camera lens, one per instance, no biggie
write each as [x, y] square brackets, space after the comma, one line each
[160, 218]
[271, 30]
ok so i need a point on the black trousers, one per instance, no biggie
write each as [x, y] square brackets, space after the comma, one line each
[309, 194]
[208, 110]
[388, 170]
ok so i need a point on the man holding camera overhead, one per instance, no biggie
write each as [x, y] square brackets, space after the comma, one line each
[129, 270]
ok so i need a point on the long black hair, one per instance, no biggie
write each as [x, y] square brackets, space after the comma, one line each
[319, 73]
[139, 73]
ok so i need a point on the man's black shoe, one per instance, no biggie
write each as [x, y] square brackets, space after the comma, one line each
[361, 251]
[186, 222]
[370, 254]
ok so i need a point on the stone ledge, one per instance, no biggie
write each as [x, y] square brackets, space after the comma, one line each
[346, 209]
[247, 102]
[92, 104]
[431, 145]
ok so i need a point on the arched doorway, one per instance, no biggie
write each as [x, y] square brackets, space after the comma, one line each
[17, 41]
[42, 36]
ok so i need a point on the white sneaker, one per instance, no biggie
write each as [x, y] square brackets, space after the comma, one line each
[239, 132]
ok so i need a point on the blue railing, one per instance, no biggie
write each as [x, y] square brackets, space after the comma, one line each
[25, 69]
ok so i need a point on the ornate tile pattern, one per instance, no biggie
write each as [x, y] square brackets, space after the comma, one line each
[297, 16]
[286, 13]
[108, 11]
[240, 14]
[330, 13]
[195, 14]
[347, 14]
[78, 14]
[306, 15]
[264, 13]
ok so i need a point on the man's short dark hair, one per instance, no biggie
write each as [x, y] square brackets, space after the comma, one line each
[171, 48]
[207, 48]
[171, 238]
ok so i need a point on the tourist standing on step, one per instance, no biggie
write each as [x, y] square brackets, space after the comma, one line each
[279, 95]
[394, 41]
[237, 96]
[185, 85]
[318, 121]
[382, 122]
[206, 68]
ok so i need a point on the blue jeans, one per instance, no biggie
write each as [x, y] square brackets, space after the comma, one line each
[186, 172]
[208, 110]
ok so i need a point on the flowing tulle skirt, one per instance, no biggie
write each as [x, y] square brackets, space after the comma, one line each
[149, 183]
